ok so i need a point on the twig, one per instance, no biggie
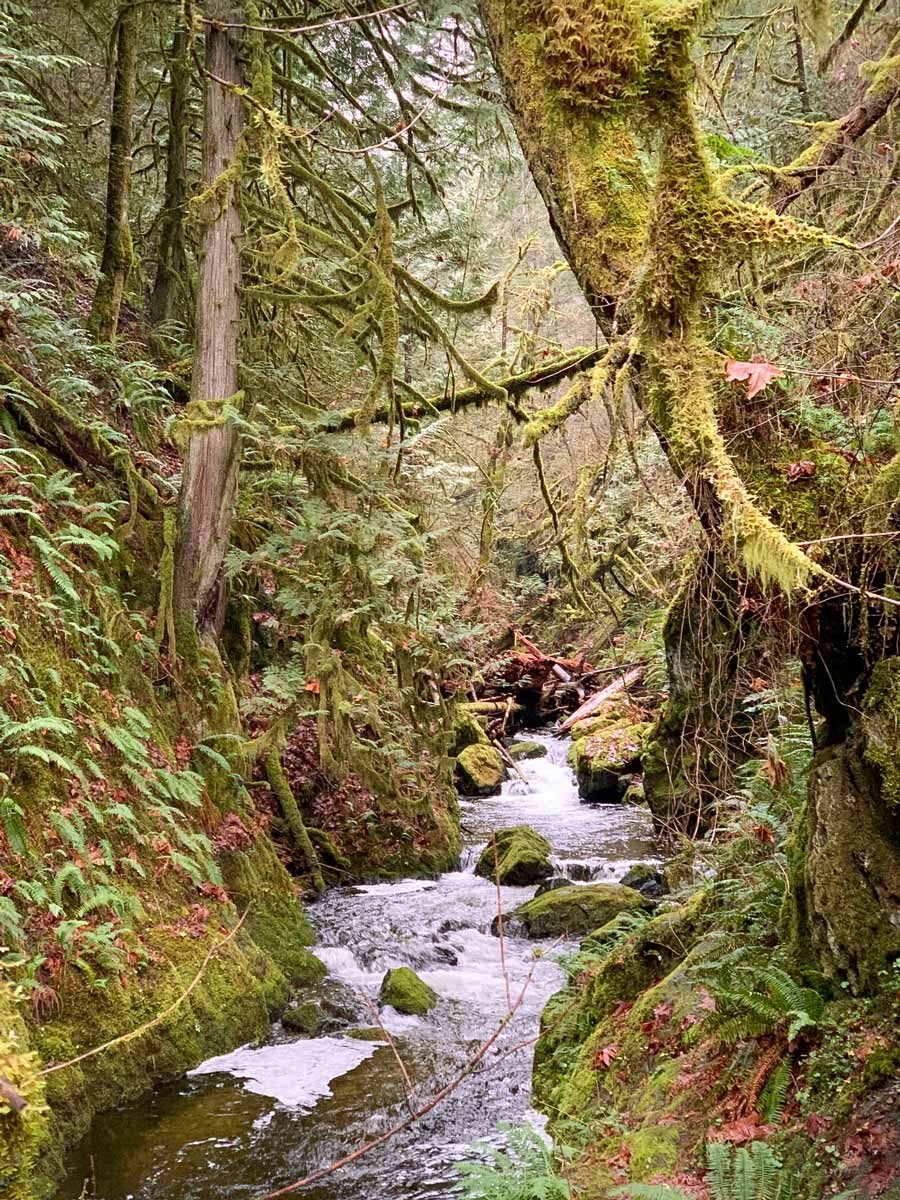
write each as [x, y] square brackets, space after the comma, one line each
[410, 1091]
[500, 924]
[435, 1100]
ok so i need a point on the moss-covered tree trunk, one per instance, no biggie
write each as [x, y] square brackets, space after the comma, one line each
[171, 287]
[845, 868]
[118, 251]
[211, 441]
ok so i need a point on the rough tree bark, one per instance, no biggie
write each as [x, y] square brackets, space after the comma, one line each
[212, 444]
[118, 251]
[170, 287]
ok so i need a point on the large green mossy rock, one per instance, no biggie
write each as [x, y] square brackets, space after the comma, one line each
[520, 751]
[467, 731]
[605, 760]
[573, 910]
[517, 856]
[479, 771]
[402, 989]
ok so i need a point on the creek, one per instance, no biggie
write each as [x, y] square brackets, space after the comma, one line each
[252, 1121]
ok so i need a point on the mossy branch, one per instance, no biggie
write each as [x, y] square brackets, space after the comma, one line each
[278, 781]
[604, 373]
[476, 396]
[53, 425]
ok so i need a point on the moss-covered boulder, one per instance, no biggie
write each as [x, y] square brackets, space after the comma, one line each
[605, 760]
[646, 879]
[402, 989]
[520, 751]
[479, 771]
[552, 885]
[307, 1017]
[467, 731]
[573, 910]
[516, 856]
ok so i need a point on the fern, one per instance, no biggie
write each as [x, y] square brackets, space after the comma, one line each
[11, 921]
[69, 877]
[71, 831]
[12, 820]
[749, 1173]
[121, 903]
[775, 1093]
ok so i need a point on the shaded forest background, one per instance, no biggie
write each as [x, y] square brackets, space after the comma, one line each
[334, 348]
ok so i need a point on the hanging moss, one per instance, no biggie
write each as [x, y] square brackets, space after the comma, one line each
[278, 781]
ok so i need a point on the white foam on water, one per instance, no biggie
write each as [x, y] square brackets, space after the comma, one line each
[397, 889]
[296, 1074]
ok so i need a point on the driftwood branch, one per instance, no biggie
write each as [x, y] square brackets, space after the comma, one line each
[599, 698]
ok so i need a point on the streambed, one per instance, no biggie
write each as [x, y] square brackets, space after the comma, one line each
[250, 1122]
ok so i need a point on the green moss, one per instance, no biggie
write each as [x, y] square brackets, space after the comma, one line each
[228, 1007]
[881, 720]
[575, 910]
[520, 751]
[614, 974]
[479, 770]
[517, 856]
[654, 1150]
[466, 731]
[604, 756]
[402, 989]
[303, 1018]
[23, 1134]
[257, 882]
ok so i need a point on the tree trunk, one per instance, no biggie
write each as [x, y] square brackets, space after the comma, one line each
[212, 449]
[170, 288]
[118, 251]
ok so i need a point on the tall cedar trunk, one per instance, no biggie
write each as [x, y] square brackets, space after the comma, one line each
[170, 288]
[212, 451]
[117, 247]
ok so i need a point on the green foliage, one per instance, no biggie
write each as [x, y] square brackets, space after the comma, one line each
[525, 1171]
[733, 1173]
[754, 1000]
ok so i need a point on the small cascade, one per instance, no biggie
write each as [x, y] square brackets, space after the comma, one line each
[252, 1121]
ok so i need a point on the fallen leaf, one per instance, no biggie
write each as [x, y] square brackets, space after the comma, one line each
[803, 469]
[605, 1055]
[758, 374]
[744, 1129]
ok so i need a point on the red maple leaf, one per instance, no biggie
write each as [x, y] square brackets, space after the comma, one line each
[605, 1056]
[758, 374]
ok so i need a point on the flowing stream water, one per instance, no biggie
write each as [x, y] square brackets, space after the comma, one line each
[249, 1122]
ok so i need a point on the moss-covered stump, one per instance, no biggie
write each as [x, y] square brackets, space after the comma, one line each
[479, 771]
[604, 761]
[403, 990]
[518, 856]
[572, 910]
[521, 751]
[846, 861]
